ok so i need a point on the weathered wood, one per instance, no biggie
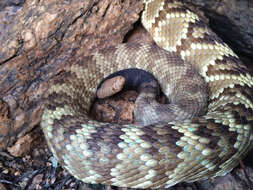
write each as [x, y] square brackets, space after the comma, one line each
[42, 39]
[230, 19]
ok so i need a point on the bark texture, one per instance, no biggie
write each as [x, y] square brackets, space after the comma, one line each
[41, 40]
[38, 38]
[232, 20]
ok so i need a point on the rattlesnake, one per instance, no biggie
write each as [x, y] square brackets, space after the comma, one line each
[163, 154]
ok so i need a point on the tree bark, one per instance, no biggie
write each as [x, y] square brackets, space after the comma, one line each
[38, 40]
[230, 19]
[43, 37]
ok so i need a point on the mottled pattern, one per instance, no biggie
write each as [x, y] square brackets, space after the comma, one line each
[187, 99]
[159, 155]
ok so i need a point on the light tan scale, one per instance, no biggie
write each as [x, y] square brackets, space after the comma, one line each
[164, 154]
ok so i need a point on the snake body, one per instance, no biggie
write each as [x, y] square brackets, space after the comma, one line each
[163, 154]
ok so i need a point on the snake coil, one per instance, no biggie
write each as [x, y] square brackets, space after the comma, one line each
[157, 155]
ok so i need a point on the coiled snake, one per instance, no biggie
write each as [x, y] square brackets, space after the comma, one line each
[191, 147]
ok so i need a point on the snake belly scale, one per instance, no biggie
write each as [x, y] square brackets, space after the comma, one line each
[158, 155]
